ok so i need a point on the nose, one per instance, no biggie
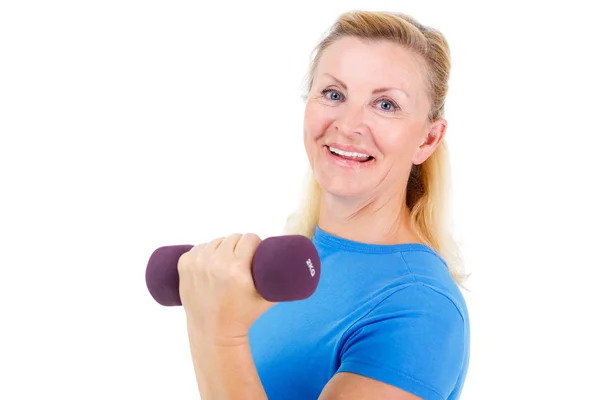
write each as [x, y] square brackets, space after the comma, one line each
[351, 120]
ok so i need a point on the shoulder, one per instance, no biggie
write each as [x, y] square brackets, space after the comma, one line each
[427, 300]
[416, 307]
[415, 338]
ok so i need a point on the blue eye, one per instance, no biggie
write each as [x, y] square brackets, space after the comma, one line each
[388, 102]
[391, 108]
[325, 91]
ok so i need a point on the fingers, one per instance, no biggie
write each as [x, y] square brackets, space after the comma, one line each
[246, 246]
[213, 244]
[228, 244]
[243, 246]
[199, 248]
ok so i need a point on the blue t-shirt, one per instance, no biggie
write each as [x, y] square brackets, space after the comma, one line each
[388, 312]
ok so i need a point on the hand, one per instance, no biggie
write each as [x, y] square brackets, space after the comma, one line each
[217, 290]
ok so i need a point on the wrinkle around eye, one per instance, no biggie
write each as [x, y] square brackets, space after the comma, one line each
[323, 94]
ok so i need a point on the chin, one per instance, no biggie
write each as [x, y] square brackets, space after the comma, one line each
[341, 186]
[341, 178]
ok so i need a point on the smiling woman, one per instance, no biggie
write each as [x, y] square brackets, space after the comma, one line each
[387, 320]
[388, 317]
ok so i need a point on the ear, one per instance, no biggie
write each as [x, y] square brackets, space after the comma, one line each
[435, 134]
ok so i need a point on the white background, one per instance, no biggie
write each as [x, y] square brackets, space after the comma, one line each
[128, 125]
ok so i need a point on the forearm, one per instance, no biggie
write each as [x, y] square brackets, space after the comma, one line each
[226, 372]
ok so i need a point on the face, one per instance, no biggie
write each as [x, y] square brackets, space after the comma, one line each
[368, 98]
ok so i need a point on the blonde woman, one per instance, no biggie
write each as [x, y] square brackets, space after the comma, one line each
[387, 320]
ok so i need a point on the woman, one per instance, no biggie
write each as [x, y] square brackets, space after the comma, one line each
[387, 320]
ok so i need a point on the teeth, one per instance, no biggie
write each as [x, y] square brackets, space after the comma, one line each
[348, 153]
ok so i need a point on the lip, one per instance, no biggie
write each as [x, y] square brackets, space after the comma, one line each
[346, 164]
[347, 147]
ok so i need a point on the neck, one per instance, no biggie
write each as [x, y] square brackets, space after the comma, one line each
[382, 220]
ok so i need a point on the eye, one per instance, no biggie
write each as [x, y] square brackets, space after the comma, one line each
[389, 105]
[329, 90]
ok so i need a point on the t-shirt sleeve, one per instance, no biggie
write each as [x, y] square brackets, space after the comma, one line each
[413, 339]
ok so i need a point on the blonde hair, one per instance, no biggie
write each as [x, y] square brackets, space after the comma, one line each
[428, 187]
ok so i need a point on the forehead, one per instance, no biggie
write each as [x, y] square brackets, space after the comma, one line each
[374, 63]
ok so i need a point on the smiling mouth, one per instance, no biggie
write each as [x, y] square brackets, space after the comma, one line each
[351, 156]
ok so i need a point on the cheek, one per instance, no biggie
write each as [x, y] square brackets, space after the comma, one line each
[400, 145]
[316, 121]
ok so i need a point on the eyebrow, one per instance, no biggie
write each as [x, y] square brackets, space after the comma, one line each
[378, 90]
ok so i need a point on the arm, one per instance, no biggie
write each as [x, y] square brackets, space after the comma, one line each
[349, 386]
[225, 372]
[412, 345]
[221, 303]
[228, 372]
